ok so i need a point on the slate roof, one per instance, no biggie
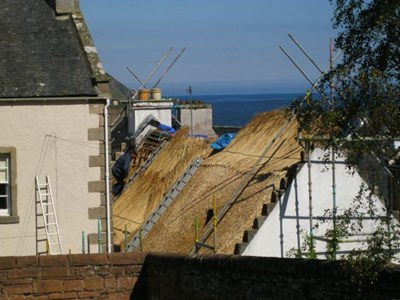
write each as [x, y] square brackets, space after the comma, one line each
[40, 56]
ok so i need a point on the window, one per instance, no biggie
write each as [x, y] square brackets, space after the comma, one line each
[5, 197]
[8, 185]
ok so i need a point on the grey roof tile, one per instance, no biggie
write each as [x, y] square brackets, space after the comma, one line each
[40, 56]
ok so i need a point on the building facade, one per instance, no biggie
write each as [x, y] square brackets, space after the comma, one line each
[53, 95]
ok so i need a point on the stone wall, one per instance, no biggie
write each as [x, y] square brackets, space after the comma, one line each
[141, 276]
[199, 116]
[240, 277]
[77, 276]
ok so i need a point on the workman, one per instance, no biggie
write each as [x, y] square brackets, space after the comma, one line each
[120, 169]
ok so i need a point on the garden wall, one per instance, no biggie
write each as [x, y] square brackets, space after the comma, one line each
[136, 275]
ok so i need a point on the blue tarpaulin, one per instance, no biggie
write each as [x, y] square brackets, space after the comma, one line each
[166, 128]
[223, 141]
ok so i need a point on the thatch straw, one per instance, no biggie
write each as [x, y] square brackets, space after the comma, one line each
[138, 201]
[218, 177]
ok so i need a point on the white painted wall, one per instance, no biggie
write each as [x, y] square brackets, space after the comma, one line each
[53, 140]
[281, 231]
[140, 110]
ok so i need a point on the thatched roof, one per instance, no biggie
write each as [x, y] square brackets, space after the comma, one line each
[218, 177]
[140, 199]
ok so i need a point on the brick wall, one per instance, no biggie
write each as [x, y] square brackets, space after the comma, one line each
[141, 276]
[77, 276]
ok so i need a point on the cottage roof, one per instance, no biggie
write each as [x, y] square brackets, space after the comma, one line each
[217, 178]
[41, 55]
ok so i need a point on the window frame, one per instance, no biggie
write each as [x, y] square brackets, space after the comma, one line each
[12, 216]
[6, 158]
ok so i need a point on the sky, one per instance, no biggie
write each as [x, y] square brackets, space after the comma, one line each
[231, 46]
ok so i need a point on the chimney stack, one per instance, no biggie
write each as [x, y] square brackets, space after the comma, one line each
[66, 6]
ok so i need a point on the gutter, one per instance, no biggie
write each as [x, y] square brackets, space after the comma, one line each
[45, 99]
[107, 176]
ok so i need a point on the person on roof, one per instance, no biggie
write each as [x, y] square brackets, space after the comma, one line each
[120, 169]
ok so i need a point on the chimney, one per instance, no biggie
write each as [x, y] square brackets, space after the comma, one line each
[66, 6]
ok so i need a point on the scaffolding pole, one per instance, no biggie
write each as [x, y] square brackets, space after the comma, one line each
[310, 208]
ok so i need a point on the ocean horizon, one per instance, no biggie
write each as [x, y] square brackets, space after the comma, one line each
[239, 109]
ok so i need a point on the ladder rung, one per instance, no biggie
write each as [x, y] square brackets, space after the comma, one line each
[46, 200]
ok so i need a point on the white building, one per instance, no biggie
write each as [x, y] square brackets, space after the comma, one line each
[302, 207]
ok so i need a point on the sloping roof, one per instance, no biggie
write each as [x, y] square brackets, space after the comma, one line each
[118, 90]
[218, 177]
[139, 200]
[40, 56]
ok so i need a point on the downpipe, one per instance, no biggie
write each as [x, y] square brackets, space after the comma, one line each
[107, 175]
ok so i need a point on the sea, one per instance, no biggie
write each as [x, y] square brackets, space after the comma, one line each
[238, 110]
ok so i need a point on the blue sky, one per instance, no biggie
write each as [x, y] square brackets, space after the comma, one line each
[231, 46]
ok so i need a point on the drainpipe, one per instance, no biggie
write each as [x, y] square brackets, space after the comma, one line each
[107, 175]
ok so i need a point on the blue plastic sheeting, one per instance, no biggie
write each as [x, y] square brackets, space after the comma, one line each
[223, 141]
[166, 128]
[201, 136]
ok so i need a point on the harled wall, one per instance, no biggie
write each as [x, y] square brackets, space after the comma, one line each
[64, 140]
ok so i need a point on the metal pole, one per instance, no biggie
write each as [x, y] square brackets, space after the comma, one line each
[334, 195]
[136, 77]
[301, 71]
[297, 215]
[310, 208]
[125, 237]
[215, 223]
[154, 70]
[170, 66]
[313, 84]
[107, 175]
[99, 235]
[333, 151]
[83, 242]
[305, 53]
[331, 67]
[191, 109]
[196, 232]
